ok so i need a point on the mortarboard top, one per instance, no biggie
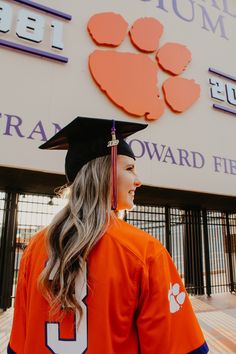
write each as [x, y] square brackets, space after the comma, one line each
[87, 138]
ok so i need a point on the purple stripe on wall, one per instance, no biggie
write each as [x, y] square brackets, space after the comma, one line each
[222, 108]
[221, 73]
[33, 51]
[46, 9]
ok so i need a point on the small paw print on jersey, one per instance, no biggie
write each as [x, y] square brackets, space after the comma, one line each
[130, 80]
[176, 298]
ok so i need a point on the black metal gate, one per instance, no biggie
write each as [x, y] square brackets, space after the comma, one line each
[7, 246]
[202, 243]
[21, 216]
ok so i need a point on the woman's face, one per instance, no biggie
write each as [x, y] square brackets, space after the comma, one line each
[127, 182]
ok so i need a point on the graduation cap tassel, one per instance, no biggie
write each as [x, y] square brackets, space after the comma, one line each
[113, 144]
[114, 177]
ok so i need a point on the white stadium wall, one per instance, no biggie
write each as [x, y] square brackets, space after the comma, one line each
[46, 82]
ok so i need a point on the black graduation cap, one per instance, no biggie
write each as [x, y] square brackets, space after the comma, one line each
[89, 138]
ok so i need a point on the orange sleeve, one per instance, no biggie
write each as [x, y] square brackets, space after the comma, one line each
[166, 322]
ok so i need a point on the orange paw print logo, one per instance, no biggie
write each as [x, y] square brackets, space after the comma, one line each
[130, 80]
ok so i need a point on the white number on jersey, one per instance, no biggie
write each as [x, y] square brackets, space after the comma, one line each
[79, 343]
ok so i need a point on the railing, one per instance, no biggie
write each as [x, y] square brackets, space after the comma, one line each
[202, 243]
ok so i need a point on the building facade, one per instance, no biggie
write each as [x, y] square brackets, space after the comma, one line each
[167, 63]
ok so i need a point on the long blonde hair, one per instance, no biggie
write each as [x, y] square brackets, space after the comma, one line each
[74, 231]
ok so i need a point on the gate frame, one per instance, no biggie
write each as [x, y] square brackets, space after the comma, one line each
[7, 249]
[8, 243]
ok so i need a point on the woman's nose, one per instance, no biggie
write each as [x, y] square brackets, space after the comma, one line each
[137, 182]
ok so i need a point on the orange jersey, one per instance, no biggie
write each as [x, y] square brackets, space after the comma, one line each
[132, 297]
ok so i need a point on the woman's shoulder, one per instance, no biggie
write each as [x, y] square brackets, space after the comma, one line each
[134, 240]
[36, 246]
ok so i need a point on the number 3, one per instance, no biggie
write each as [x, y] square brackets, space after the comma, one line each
[79, 343]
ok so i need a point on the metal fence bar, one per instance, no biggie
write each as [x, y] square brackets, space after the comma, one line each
[167, 230]
[207, 265]
[201, 243]
[177, 234]
[2, 209]
[3, 197]
[206, 253]
[7, 249]
[216, 223]
[229, 253]
[232, 223]
[35, 211]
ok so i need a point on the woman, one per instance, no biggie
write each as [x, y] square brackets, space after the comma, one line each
[91, 283]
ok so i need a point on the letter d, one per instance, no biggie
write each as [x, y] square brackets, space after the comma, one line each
[198, 159]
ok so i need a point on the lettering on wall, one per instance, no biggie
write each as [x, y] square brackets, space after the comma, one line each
[223, 91]
[12, 126]
[212, 15]
[30, 26]
[182, 157]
